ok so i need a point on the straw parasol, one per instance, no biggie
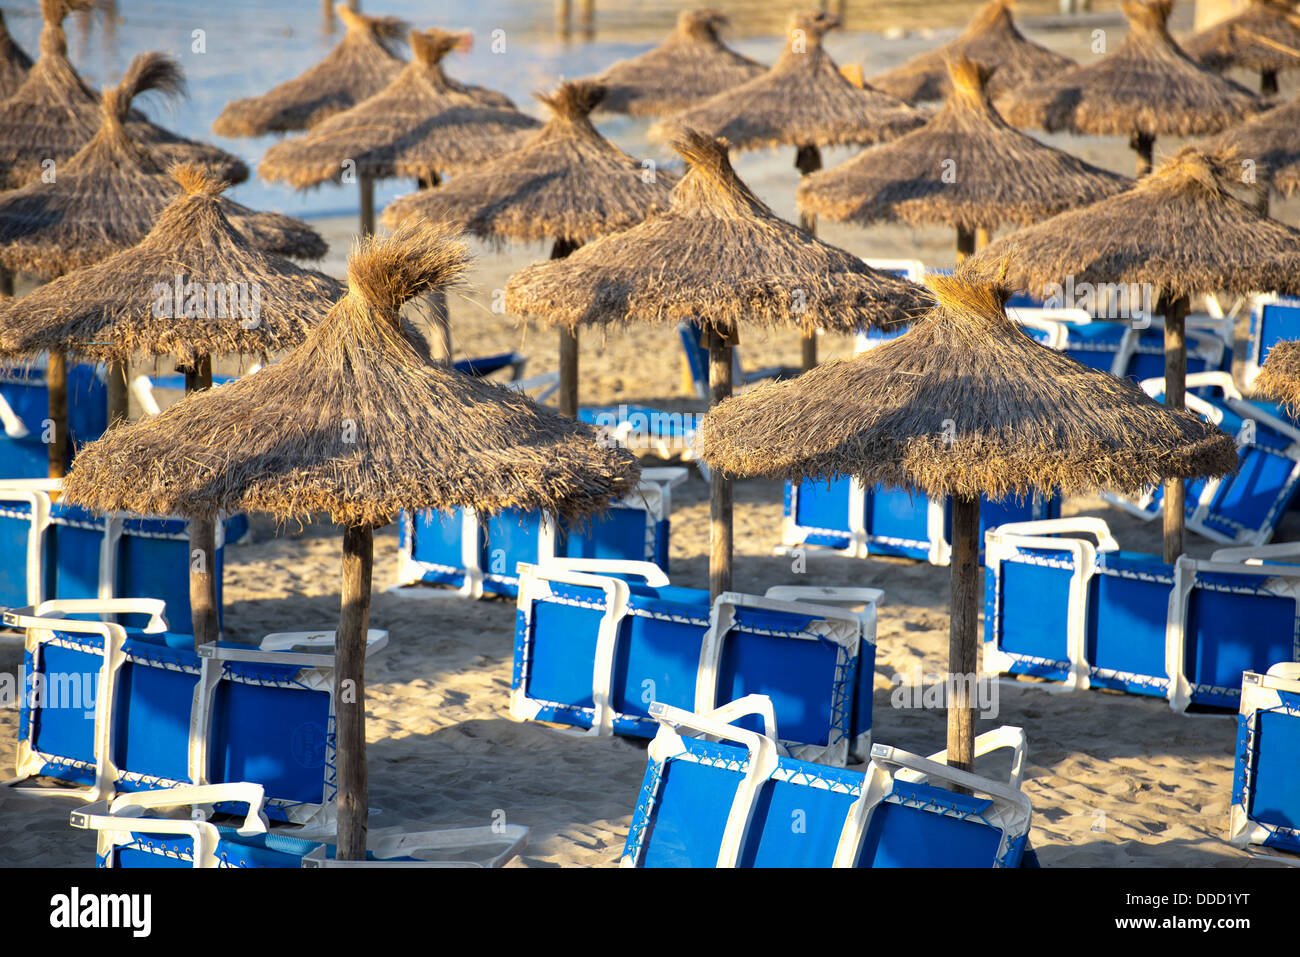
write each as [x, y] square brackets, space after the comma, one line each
[803, 101]
[52, 115]
[1264, 37]
[365, 61]
[1147, 88]
[720, 256]
[356, 424]
[567, 183]
[990, 39]
[954, 171]
[420, 125]
[1194, 237]
[1279, 380]
[1267, 146]
[690, 66]
[963, 405]
[14, 62]
[193, 288]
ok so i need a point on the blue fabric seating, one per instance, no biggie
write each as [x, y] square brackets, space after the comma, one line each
[55, 550]
[112, 708]
[1265, 815]
[478, 558]
[1058, 606]
[716, 794]
[858, 522]
[1272, 319]
[1246, 507]
[597, 642]
[137, 830]
[25, 408]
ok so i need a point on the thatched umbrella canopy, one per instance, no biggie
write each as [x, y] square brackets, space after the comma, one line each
[1280, 378]
[108, 196]
[964, 404]
[194, 287]
[692, 65]
[355, 423]
[1271, 141]
[1264, 37]
[966, 168]
[802, 101]
[1147, 88]
[54, 113]
[567, 183]
[365, 61]
[421, 125]
[990, 39]
[720, 256]
[1192, 236]
[14, 62]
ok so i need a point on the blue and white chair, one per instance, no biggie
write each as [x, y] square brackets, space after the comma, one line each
[716, 794]
[174, 828]
[25, 411]
[111, 708]
[594, 648]
[477, 557]
[1265, 815]
[1273, 318]
[1245, 507]
[843, 515]
[1059, 607]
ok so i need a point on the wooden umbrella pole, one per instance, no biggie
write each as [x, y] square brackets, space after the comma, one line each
[983, 237]
[720, 501]
[963, 632]
[808, 159]
[118, 399]
[439, 313]
[6, 282]
[349, 692]
[56, 384]
[1144, 146]
[568, 347]
[367, 186]
[1268, 82]
[203, 540]
[965, 244]
[1175, 393]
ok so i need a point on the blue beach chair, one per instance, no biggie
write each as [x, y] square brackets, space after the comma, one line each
[594, 648]
[1265, 815]
[110, 708]
[476, 558]
[25, 409]
[173, 828]
[719, 795]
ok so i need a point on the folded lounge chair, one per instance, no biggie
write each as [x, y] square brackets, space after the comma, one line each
[594, 649]
[147, 830]
[25, 410]
[719, 795]
[480, 557]
[1060, 607]
[1265, 812]
[110, 708]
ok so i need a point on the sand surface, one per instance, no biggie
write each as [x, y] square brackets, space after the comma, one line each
[1114, 779]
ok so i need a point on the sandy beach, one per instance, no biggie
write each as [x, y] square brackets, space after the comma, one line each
[1115, 780]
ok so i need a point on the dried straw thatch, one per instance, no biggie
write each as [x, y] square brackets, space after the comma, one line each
[54, 113]
[1280, 378]
[141, 301]
[107, 197]
[365, 61]
[963, 404]
[803, 100]
[354, 423]
[14, 62]
[966, 168]
[1148, 86]
[1271, 141]
[690, 66]
[1179, 230]
[566, 182]
[1265, 37]
[718, 254]
[420, 125]
[990, 39]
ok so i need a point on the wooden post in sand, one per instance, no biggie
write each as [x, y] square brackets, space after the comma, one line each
[350, 692]
[118, 397]
[1144, 146]
[367, 205]
[720, 501]
[963, 632]
[203, 540]
[56, 384]
[1175, 393]
[965, 244]
[808, 159]
[568, 397]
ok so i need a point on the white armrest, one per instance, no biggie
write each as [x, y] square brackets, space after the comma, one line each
[1081, 524]
[546, 385]
[1197, 380]
[654, 575]
[155, 608]
[199, 796]
[830, 594]
[671, 475]
[1257, 554]
[990, 741]
[142, 389]
[13, 425]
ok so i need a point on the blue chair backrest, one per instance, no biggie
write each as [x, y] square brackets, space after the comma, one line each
[1272, 322]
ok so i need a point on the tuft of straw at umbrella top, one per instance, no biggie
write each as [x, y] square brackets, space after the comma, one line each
[1280, 378]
